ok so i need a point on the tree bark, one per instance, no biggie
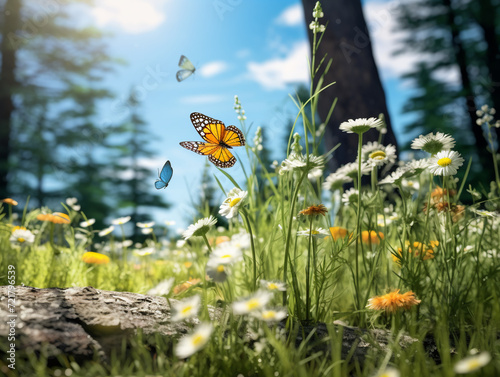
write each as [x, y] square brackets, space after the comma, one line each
[11, 24]
[358, 86]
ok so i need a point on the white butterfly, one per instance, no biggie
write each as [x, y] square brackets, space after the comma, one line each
[187, 69]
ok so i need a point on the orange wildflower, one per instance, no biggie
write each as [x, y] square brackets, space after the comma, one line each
[95, 258]
[188, 264]
[438, 194]
[393, 301]
[419, 250]
[338, 233]
[10, 201]
[56, 218]
[185, 286]
[218, 240]
[371, 237]
[319, 209]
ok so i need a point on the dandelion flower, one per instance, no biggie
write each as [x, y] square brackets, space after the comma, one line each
[95, 258]
[270, 315]
[338, 233]
[199, 228]
[371, 237]
[273, 286]
[192, 343]
[393, 301]
[231, 205]
[472, 363]
[22, 236]
[121, 220]
[106, 231]
[10, 201]
[433, 143]
[360, 125]
[89, 222]
[253, 303]
[186, 308]
[445, 163]
[314, 210]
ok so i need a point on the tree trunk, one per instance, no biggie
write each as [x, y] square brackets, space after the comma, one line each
[486, 20]
[11, 24]
[358, 86]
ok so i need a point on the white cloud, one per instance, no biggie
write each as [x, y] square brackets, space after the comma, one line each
[292, 16]
[276, 73]
[202, 99]
[132, 16]
[212, 68]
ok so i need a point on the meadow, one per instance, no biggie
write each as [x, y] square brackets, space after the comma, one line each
[414, 251]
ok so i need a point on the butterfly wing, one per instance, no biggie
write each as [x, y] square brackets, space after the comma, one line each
[187, 69]
[217, 154]
[165, 176]
[185, 63]
[210, 129]
[183, 74]
[233, 137]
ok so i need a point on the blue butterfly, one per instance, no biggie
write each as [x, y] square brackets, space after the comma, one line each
[165, 176]
[187, 69]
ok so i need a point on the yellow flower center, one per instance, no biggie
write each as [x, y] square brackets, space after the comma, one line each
[378, 155]
[220, 268]
[253, 304]
[197, 340]
[272, 286]
[269, 314]
[226, 256]
[187, 309]
[233, 202]
[445, 161]
[314, 232]
[473, 364]
[21, 239]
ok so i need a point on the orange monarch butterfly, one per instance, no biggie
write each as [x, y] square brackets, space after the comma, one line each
[219, 140]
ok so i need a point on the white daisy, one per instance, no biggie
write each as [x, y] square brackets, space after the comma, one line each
[200, 228]
[71, 202]
[121, 220]
[433, 143]
[472, 363]
[162, 288]
[106, 231]
[351, 169]
[410, 184]
[192, 343]
[217, 272]
[253, 303]
[147, 230]
[350, 196]
[445, 163]
[231, 205]
[376, 154]
[297, 161]
[418, 165]
[273, 285]
[22, 236]
[169, 223]
[187, 308]
[389, 372]
[317, 233]
[240, 240]
[225, 253]
[89, 222]
[144, 252]
[360, 125]
[335, 181]
[397, 175]
[270, 315]
[145, 225]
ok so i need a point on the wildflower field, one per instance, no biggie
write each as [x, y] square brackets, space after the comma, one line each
[402, 246]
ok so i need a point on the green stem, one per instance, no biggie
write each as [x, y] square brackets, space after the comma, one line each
[207, 243]
[358, 224]
[249, 229]
[308, 269]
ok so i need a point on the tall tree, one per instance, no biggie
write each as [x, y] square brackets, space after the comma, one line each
[358, 86]
[11, 23]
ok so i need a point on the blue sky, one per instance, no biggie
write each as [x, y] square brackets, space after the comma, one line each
[255, 49]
